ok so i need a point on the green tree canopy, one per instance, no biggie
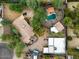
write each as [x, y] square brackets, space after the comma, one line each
[68, 21]
[19, 48]
[34, 4]
[39, 17]
[16, 7]
[6, 22]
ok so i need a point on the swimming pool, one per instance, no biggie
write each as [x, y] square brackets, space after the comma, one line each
[52, 16]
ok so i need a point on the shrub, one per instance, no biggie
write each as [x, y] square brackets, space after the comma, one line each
[38, 18]
[69, 38]
[6, 22]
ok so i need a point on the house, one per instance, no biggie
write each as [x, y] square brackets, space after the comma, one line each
[24, 29]
[55, 46]
[58, 27]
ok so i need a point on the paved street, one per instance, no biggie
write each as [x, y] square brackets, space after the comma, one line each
[5, 53]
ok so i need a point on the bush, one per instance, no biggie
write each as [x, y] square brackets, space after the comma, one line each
[67, 21]
[69, 38]
[19, 48]
[6, 22]
[39, 17]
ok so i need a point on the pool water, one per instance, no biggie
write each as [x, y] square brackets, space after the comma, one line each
[51, 17]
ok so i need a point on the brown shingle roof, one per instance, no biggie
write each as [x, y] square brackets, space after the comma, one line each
[24, 28]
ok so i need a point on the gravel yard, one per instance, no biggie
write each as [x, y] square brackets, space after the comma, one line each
[75, 41]
[70, 4]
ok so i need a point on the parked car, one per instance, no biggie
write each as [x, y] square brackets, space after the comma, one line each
[35, 54]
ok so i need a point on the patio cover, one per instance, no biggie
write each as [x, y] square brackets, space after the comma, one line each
[54, 29]
[59, 26]
[24, 28]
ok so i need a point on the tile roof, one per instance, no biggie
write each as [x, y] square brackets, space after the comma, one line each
[50, 10]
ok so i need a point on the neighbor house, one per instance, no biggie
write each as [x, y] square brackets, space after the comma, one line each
[24, 29]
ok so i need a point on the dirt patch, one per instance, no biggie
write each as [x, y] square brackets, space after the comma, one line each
[9, 14]
[74, 43]
[70, 4]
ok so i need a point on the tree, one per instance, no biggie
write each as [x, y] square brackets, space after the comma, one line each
[19, 48]
[6, 22]
[68, 21]
[34, 4]
[39, 17]
[69, 38]
[16, 7]
[23, 2]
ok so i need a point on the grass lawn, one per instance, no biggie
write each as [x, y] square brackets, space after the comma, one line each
[60, 34]
[47, 57]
